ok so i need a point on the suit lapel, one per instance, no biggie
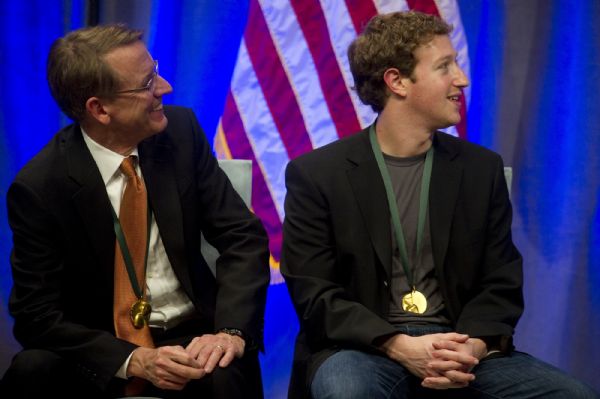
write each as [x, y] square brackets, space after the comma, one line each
[443, 193]
[91, 199]
[369, 191]
[156, 162]
[93, 205]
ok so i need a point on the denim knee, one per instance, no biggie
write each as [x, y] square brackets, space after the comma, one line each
[576, 390]
[351, 374]
[520, 375]
[340, 387]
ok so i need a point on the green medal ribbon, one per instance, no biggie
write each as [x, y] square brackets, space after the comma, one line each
[127, 256]
[413, 301]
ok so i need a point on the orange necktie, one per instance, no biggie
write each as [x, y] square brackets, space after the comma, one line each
[133, 216]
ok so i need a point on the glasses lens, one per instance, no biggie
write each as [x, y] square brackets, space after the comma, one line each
[152, 82]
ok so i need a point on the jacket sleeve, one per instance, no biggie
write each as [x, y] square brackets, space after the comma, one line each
[242, 268]
[36, 301]
[328, 313]
[497, 301]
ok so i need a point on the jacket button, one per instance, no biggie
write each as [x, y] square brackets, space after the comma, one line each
[385, 283]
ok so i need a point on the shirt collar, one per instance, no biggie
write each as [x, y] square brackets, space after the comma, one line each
[108, 161]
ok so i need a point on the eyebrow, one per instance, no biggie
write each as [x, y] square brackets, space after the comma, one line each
[446, 58]
[149, 75]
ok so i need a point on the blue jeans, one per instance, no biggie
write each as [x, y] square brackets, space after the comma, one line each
[351, 374]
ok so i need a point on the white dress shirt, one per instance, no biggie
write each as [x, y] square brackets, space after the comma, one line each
[170, 304]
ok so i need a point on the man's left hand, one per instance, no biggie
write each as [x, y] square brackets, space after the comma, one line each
[212, 349]
[452, 359]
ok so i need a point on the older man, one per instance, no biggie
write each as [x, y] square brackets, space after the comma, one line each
[111, 294]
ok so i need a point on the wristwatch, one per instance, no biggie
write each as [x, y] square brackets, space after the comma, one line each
[233, 331]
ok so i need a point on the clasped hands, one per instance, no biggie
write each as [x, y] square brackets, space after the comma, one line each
[172, 367]
[442, 361]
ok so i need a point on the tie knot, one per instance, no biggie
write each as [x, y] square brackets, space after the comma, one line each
[128, 166]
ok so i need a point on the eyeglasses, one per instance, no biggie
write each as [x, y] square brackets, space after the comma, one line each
[148, 86]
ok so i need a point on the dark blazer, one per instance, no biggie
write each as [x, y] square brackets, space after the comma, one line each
[337, 250]
[64, 243]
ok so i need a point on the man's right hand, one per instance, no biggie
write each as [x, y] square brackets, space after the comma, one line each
[416, 353]
[167, 367]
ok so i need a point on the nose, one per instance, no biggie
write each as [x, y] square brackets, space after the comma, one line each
[460, 80]
[162, 86]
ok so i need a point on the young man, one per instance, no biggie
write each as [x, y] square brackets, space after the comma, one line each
[397, 242]
[111, 294]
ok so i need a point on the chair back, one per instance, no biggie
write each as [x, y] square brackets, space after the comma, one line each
[508, 177]
[239, 172]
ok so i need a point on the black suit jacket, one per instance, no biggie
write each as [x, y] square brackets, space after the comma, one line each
[64, 243]
[337, 251]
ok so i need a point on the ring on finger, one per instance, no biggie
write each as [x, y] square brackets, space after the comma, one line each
[220, 347]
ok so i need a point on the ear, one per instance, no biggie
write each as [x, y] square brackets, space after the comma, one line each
[96, 109]
[395, 81]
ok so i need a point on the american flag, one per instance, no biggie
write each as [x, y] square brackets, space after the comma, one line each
[291, 89]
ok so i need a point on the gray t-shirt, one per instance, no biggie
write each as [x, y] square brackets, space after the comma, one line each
[406, 175]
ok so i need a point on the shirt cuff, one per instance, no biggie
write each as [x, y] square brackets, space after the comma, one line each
[122, 372]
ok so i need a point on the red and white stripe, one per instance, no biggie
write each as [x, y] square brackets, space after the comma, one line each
[291, 89]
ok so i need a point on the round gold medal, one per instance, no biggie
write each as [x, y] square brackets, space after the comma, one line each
[414, 302]
[140, 313]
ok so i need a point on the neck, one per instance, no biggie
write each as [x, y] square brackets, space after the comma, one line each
[400, 139]
[109, 139]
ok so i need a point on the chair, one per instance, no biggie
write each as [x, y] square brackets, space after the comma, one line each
[508, 177]
[239, 172]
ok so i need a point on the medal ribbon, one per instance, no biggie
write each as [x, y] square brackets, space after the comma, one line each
[139, 292]
[393, 205]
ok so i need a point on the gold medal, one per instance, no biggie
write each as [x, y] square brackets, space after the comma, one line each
[414, 302]
[140, 313]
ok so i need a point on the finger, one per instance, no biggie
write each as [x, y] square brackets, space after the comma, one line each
[201, 345]
[227, 357]
[441, 366]
[170, 351]
[446, 344]
[178, 367]
[461, 338]
[459, 376]
[170, 371]
[430, 373]
[205, 354]
[213, 360]
[173, 384]
[441, 383]
[194, 347]
[463, 358]
[169, 385]
[179, 357]
[180, 372]
[162, 377]
[170, 381]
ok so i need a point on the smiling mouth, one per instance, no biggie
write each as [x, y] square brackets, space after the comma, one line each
[159, 107]
[455, 98]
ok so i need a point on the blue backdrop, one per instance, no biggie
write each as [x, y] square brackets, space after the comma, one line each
[535, 69]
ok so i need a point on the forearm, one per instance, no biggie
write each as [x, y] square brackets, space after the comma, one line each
[243, 276]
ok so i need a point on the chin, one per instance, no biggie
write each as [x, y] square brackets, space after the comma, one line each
[447, 124]
[454, 121]
[160, 125]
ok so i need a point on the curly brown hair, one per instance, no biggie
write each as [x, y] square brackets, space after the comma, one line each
[76, 69]
[389, 41]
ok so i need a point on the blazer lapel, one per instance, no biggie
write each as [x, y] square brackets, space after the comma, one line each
[91, 199]
[369, 192]
[157, 166]
[445, 183]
